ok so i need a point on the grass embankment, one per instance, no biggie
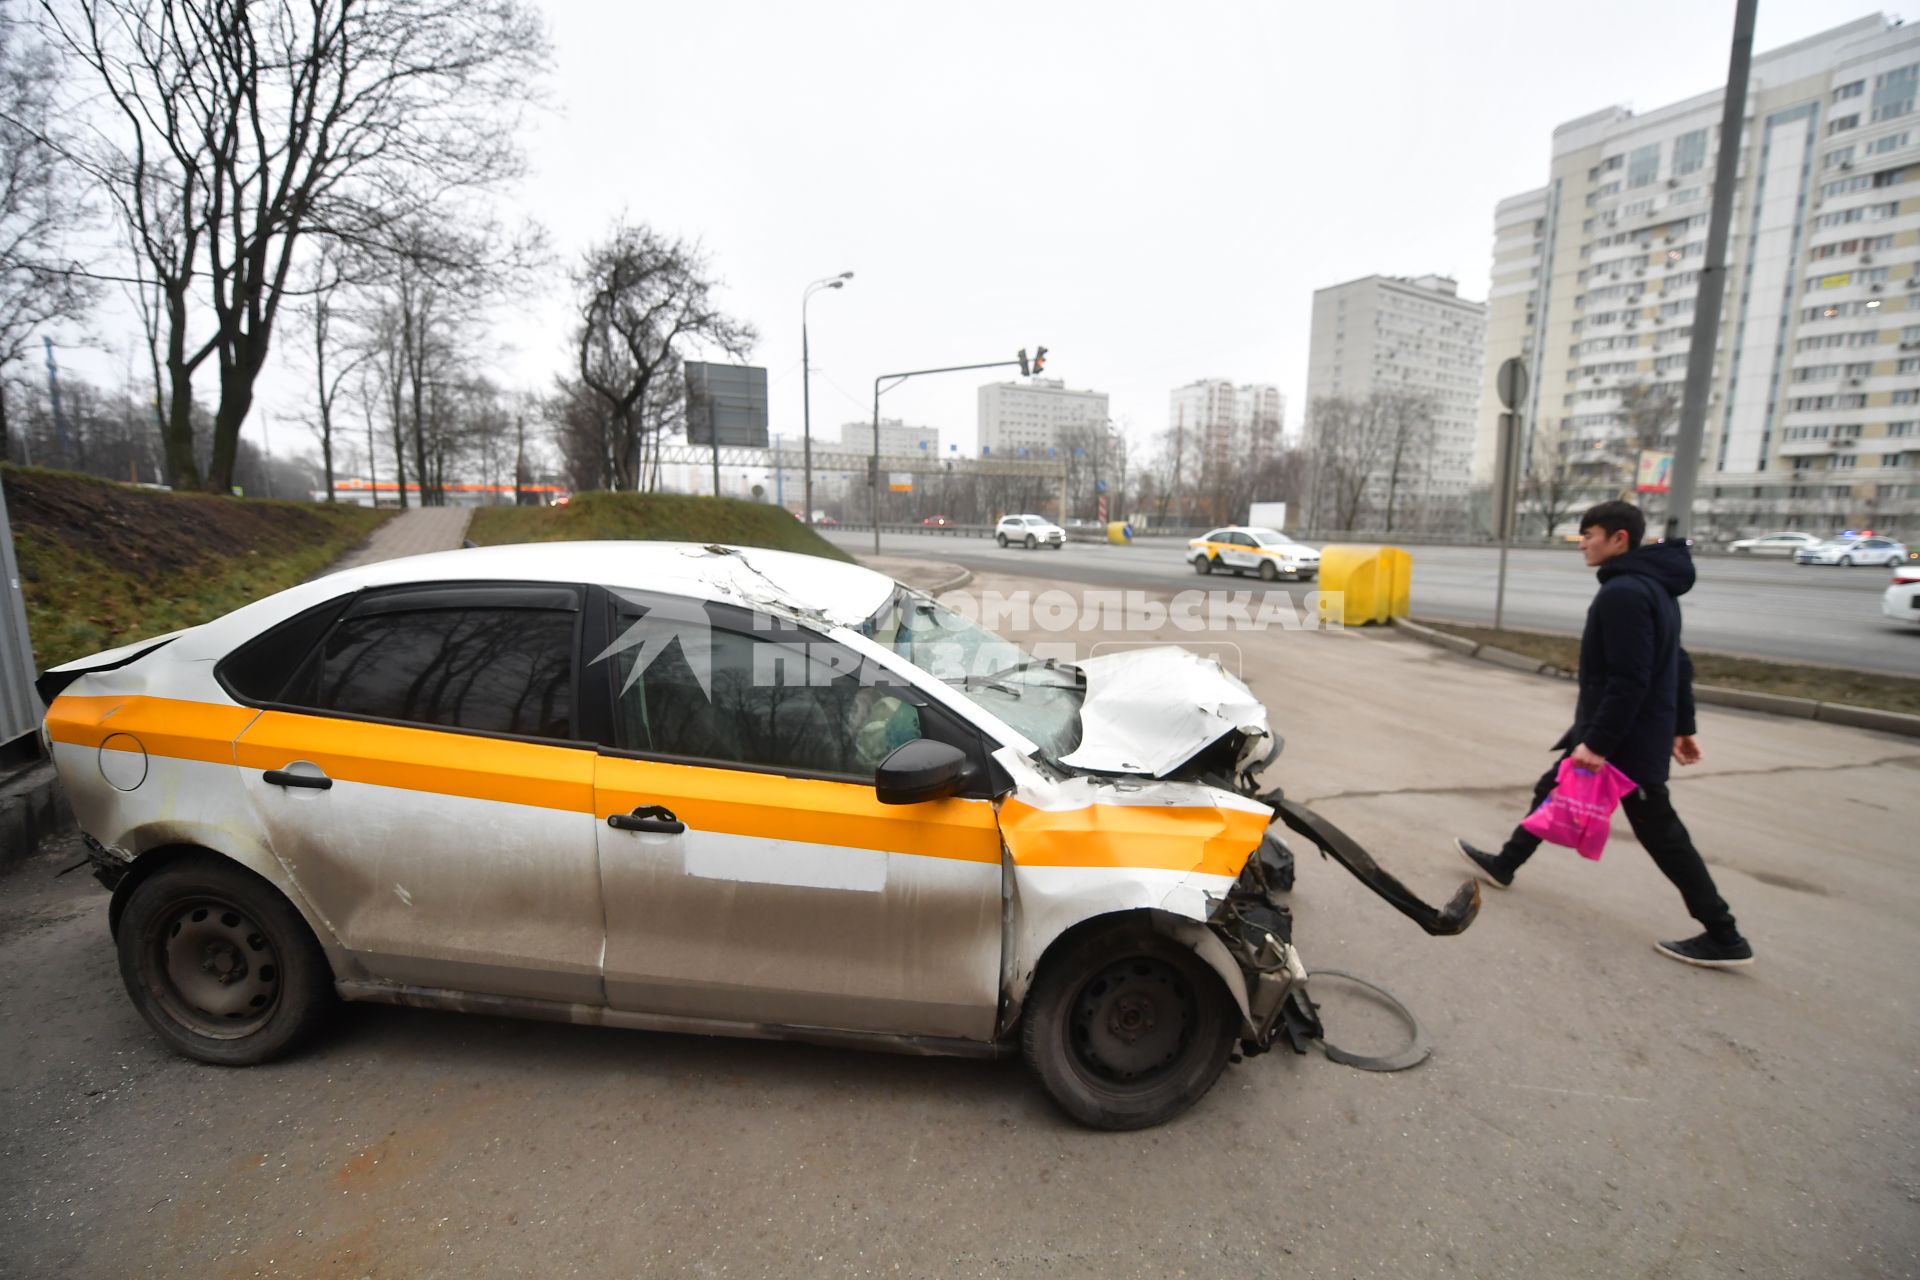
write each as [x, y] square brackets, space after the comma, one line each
[1756, 675]
[105, 564]
[666, 517]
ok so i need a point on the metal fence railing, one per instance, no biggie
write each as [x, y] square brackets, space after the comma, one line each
[20, 709]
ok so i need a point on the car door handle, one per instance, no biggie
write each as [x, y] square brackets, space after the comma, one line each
[284, 778]
[648, 817]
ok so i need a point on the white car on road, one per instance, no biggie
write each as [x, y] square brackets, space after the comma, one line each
[1774, 544]
[1901, 601]
[1848, 552]
[1030, 532]
[1242, 549]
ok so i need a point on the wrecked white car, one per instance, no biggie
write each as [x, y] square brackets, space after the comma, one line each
[693, 788]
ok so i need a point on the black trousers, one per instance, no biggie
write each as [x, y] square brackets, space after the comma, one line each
[1659, 829]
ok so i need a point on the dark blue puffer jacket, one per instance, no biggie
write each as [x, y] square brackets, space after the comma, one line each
[1636, 682]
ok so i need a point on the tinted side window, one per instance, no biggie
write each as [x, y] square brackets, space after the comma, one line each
[764, 704]
[259, 669]
[490, 670]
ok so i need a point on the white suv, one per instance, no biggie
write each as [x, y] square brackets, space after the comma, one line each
[1029, 532]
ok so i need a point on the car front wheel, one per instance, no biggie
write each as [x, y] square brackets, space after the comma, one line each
[1846, 562]
[1127, 1028]
[1268, 571]
[220, 964]
[1202, 566]
[1032, 542]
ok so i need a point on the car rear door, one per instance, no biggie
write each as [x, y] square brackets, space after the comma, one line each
[750, 872]
[421, 777]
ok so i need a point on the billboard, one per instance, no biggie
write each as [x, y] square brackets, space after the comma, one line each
[900, 482]
[1655, 468]
[726, 405]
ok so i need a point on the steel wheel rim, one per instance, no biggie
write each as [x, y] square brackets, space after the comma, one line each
[1132, 1022]
[215, 971]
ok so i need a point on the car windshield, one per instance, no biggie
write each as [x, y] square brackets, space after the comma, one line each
[1271, 538]
[1038, 698]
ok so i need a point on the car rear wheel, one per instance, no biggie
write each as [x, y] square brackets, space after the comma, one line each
[1202, 565]
[1127, 1028]
[220, 964]
[1001, 538]
[1268, 571]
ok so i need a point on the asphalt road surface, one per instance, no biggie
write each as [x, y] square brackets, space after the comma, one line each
[1591, 1109]
[1758, 608]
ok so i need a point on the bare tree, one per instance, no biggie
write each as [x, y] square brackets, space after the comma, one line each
[37, 205]
[1405, 427]
[642, 297]
[334, 358]
[241, 128]
[1550, 486]
[1349, 445]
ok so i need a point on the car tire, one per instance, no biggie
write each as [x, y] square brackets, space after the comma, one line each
[1032, 542]
[220, 964]
[1846, 562]
[1127, 1028]
[1203, 565]
[1001, 538]
[1269, 572]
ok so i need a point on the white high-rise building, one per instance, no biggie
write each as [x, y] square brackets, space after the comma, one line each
[1416, 338]
[1237, 423]
[1036, 415]
[897, 439]
[1813, 420]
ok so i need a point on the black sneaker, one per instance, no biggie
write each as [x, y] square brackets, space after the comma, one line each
[1485, 863]
[1708, 951]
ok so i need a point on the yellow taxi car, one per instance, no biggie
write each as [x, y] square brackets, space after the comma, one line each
[688, 788]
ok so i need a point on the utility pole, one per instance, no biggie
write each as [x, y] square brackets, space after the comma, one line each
[1713, 282]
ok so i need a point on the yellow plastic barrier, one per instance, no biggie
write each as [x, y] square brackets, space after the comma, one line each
[1369, 584]
[1119, 531]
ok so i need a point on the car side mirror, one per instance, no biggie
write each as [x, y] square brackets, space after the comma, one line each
[921, 770]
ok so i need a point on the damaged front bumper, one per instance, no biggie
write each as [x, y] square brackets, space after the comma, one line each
[1257, 928]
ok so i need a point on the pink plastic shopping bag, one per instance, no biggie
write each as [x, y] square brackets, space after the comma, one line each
[1579, 810]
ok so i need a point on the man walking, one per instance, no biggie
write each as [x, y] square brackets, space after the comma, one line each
[1636, 710]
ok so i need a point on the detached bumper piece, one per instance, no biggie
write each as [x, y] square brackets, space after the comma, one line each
[1341, 847]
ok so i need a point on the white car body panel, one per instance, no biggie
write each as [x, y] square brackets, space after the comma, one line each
[1148, 711]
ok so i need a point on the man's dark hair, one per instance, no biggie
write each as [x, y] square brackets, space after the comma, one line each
[1613, 517]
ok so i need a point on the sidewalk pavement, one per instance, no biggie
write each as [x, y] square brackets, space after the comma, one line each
[1589, 1097]
[413, 532]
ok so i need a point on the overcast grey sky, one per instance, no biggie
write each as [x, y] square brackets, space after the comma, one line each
[1152, 191]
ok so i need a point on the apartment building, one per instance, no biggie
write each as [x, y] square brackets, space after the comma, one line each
[1029, 417]
[1241, 423]
[1814, 415]
[1409, 335]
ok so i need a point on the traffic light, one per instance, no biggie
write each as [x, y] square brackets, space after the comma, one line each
[1039, 361]
[1024, 371]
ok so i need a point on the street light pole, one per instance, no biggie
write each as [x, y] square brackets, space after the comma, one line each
[806, 389]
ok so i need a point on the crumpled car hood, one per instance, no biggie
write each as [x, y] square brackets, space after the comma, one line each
[1149, 711]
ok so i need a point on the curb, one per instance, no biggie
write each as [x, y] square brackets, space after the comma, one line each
[32, 807]
[958, 580]
[1772, 704]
